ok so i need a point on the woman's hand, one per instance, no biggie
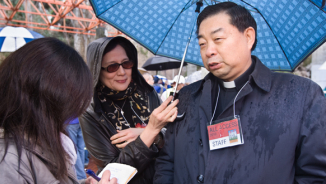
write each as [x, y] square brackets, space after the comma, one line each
[124, 137]
[90, 180]
[106, 178]
[158, 119]
[163, 114]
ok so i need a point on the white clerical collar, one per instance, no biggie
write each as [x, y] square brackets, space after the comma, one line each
[229, 84]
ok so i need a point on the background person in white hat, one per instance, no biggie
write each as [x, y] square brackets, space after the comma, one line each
[181, 84]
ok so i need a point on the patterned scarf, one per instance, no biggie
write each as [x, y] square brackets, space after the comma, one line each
[134, 105]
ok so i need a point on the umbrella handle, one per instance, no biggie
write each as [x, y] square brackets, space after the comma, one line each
[180, 117]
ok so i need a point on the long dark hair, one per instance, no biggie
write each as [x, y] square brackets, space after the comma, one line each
[129, 49]
[43, 84]
[131, 52]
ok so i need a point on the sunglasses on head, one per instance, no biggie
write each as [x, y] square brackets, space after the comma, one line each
[114, 67]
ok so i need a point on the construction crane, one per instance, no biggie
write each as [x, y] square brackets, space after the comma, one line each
[70, 16]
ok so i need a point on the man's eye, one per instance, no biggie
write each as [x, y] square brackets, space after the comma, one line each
[217, 39]
[201, 44]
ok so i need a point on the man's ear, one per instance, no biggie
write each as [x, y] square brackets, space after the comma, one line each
[250, 34]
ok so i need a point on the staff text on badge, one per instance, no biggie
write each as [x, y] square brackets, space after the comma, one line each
[224, 134]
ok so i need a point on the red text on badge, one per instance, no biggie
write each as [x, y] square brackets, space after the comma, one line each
[224, 134]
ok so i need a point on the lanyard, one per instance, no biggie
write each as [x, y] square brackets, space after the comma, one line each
[218, 94]
[236, 98]
[135, 112]
[122, 113]
[210, 123]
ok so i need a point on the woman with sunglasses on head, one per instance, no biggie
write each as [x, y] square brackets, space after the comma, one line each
[121, 124]
[43, 85]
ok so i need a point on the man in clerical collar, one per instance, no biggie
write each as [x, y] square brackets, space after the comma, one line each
[243, 123]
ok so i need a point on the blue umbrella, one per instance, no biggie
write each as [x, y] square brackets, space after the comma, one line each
[288, 30]
[12, 38]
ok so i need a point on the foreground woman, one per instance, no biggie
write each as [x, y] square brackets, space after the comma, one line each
[43, 85]
[121, 124]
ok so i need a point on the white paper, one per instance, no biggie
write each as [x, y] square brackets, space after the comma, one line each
[124, 173]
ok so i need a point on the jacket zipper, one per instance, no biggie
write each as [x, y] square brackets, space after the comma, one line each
[149, 106]
[112, 132]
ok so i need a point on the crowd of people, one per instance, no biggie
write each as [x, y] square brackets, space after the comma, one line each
[163, 87]
[242, 123]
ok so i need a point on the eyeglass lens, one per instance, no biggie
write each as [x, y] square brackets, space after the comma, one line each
[114, 67]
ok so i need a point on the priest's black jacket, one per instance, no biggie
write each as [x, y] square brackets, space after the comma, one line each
[283, 122]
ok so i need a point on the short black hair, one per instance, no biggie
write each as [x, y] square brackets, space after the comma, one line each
[240, 16]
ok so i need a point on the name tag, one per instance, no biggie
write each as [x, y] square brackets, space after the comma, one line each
[225, 134]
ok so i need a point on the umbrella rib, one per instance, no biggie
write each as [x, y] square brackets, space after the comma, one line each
[98, 16]
[171, 27]
[313, 50]
[287, 59]
[322, 6]
[128, 36]
[104, 10]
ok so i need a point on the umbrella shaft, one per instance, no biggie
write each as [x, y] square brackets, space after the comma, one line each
[184, 54]
[181, 66]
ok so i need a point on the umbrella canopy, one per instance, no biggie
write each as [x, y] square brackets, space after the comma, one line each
[12, 38]
[161, 63]
[287, 30]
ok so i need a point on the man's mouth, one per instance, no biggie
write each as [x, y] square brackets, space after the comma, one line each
[214, 66]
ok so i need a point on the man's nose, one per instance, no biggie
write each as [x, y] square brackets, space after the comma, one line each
[211, 50]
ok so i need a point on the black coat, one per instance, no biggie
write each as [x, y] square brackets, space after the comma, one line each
[97, 129]
[283, 121]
